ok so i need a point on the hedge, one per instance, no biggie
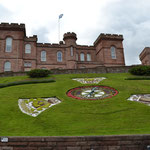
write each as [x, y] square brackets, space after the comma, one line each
[140, 70]
[26, 82]
[38, 73]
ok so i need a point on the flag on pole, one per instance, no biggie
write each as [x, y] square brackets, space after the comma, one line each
[60, 16]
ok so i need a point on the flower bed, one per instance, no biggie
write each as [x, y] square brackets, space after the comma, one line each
[142, 98]
[34, 106]
[92, 92]
[89, 80]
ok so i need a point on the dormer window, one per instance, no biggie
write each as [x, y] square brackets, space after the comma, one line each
[27, 48]
[113, 52]
[8, 44]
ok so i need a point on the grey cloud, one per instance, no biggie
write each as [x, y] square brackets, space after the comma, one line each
[42, 33]
[131, 19]
[5, 14]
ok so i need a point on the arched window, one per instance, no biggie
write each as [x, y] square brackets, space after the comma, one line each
[88, 57]
[8, 44]
[7, 66]
[71, 51]
[113, 52]
[27, 48]
[43, 55]
[59, 56]
[82, 56]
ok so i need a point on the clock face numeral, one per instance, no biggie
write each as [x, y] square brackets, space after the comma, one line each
[92, 92]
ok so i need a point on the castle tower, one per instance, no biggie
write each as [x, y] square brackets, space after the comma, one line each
[11, 45]
[109, 49]
[70, 43]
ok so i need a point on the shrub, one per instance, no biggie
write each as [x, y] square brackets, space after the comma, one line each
[38, 73]
[26, 82]
[140, 70]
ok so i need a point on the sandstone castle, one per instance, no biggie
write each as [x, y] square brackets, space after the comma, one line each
[21, 53]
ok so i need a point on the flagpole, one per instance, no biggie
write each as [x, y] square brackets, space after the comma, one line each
[58, 30]
[60, 16]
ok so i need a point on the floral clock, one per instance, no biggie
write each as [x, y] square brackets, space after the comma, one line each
[92, 92]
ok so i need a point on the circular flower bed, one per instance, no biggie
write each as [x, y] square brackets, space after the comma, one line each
[92, 92]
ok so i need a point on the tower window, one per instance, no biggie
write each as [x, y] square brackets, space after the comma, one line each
[71, 51]
[113, 52]
[8, 44]
[77, 57]
[27, 48]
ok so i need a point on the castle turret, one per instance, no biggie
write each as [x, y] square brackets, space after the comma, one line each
[70, 42]
[70, 38]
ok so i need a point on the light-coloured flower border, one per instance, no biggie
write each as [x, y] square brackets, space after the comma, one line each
[29, 105]
[89, 80]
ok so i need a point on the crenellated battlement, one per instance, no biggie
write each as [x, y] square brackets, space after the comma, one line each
[12, 26]
[70, 35]
[107, 36]
[31, 38]
[145, 52]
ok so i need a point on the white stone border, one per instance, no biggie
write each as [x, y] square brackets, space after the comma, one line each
[137, 97]
[89, 80]
[29, 105]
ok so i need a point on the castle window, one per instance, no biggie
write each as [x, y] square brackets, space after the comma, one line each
[43, 55]
[7, 66]
[71, 51]
[88, 57]
[27, 64]
[8, 44]
[113, 52]
[82, 56]
[27, 48]
[77, 58]
[59, 56]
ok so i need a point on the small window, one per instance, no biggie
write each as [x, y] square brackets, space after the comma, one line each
[77, 58]
[7, 66]
[88, 57]
[59, 56]
[113, 52]
[27, 64]
[27, 48]
[8, 44]
[43, 55]
[71, 51]
[82, 56]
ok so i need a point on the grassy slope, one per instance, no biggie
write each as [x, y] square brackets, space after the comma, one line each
[75, 117]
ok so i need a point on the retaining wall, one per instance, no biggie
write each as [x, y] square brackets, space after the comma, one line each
[117, 69]
[124, 142]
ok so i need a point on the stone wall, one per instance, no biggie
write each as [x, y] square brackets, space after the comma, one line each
[123, 142]
[116, 69]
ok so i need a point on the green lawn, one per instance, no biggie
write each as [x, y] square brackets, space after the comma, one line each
[111, 116]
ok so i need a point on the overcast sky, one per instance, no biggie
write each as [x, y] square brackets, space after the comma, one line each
[87, 18]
